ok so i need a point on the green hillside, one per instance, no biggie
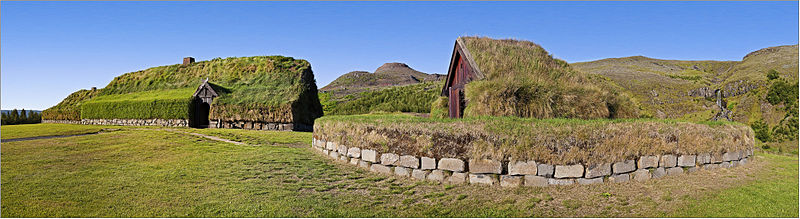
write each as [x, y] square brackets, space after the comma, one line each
[678, 89]
[393, 87]
[389, 74]
[416, 98]
[260, 88]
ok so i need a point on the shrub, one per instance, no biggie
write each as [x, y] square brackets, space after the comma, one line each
[761, 130]
[772, 74]
[782, 92]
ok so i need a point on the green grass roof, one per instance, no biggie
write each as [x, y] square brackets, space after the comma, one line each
[259, 88]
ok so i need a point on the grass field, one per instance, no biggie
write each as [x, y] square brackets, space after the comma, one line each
[160, 173]
[42, 129]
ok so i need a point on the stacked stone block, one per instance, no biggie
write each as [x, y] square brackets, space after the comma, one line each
[517, 173]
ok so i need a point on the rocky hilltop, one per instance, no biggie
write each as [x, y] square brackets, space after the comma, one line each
[387, 75]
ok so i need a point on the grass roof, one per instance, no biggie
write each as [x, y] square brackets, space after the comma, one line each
[522, 79]
[259, 88]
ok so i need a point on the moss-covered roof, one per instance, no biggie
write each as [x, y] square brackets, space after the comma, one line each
[520, 78]
[505, 58]
[259, 88]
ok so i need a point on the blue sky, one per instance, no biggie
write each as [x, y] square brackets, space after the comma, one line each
[51, 49]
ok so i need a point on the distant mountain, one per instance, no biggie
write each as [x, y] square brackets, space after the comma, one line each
[388, 75]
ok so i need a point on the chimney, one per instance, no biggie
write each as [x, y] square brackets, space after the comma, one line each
[94, 88]
[188, 60]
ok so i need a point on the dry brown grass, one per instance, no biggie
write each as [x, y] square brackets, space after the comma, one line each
[522, 79]
[554, 141]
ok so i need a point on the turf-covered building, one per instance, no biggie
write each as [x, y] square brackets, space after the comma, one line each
[489, 77]
[262, 92]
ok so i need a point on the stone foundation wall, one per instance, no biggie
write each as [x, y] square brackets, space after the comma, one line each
[126, 122]
[528, 173]
[260, 125]
[138, 122]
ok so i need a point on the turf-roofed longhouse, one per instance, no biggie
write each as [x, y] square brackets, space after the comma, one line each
[489, 77]
[261, 92]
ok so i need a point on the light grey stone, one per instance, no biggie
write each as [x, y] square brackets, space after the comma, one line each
[729, 156]
[457, 178]
[409, 161]
[585, 181]
[710, 166]
[692, 169]
[485, 166]
[428, 163]
[451, 164]
[437, 175]
[545, 170]
[389, 159]
[334, 154]
[402, 171]
[659, 172]
[419, 174]
[331, 146]
[641, 175]
[369, 155]
[667, 161]
[687, 160]
[598, 170]
[725, 164]
[510, 181]
[626, 166]
[342, 149]
[531, 180]
[716, 158]
[354, 161]
[364, 164]
[703, 158]
[734, 163]
[343, 158]
[618, 178]
[354, 152]
[743, 161]
[485, 179]
[674, 171]
[569, 171]
[522, 168]
[647, 162]
[325, 151]
[552, 181]
[380, 169]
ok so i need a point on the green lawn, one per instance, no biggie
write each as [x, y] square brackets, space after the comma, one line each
[159, 173]
[773, 195]
[42, 129]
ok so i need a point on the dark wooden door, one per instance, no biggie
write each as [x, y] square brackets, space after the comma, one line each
[455, 102]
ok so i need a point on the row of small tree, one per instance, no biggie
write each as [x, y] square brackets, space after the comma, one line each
[21, 117]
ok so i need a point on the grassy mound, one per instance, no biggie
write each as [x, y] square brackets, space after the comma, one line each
[554, 141]
[522, 79]
[70, 107]
[261, 88]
